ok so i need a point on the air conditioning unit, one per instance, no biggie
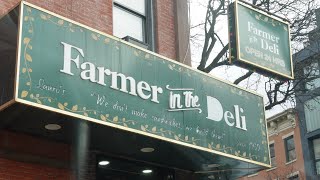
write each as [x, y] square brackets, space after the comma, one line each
[136, 42]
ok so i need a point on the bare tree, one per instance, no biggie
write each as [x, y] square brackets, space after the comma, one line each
[300, 14]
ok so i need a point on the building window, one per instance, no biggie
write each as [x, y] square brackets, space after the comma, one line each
[312, 74]
[290, 149]
[295, 177]
[316, 150]
[134, 19]
[272, 155]
[312, 114]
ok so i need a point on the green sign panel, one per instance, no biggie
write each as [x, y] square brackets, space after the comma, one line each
[259, 41]
[66, 67]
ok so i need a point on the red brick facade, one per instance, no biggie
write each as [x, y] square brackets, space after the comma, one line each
[14, 170]
[98, 15]
[31, 145]
[25, 157]
[165, 33]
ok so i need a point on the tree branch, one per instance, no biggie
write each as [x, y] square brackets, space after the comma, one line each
[216, 59]
[248, 74]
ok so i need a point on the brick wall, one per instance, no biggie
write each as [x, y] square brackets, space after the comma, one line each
[14, 170]
[28, 157]
[165, 34]
[98, 15]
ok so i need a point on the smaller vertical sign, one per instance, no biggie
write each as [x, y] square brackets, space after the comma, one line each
[259, 42]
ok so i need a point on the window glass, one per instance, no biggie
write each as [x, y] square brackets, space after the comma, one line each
[272, 155]
[318, 167]
[290, 143]
[290, 149]
[312, 113]
[134, 19]
[316, 150]
[127, 24]
[136, 5]
[316, 147]
[312, 73]
[291, 155]
[296, 177]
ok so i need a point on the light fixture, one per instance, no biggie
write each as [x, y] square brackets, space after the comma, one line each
[147, 149]
[103, 163]
[147, 171]
[211, 177]
[213, 165]
[52, 127]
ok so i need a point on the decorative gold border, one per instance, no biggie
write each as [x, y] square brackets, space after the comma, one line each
[139, 132]
[261, 12]
[18, 51]
[238, 40]
[267, 132]
[17, 99]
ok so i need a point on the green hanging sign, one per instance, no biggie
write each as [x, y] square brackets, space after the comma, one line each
[72, 69]
[259, 42]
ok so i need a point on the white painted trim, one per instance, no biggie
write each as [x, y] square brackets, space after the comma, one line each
[285, 128]
[291, 161]
[293, 174]
[273, 168]
[252, 175]
[287, 135]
